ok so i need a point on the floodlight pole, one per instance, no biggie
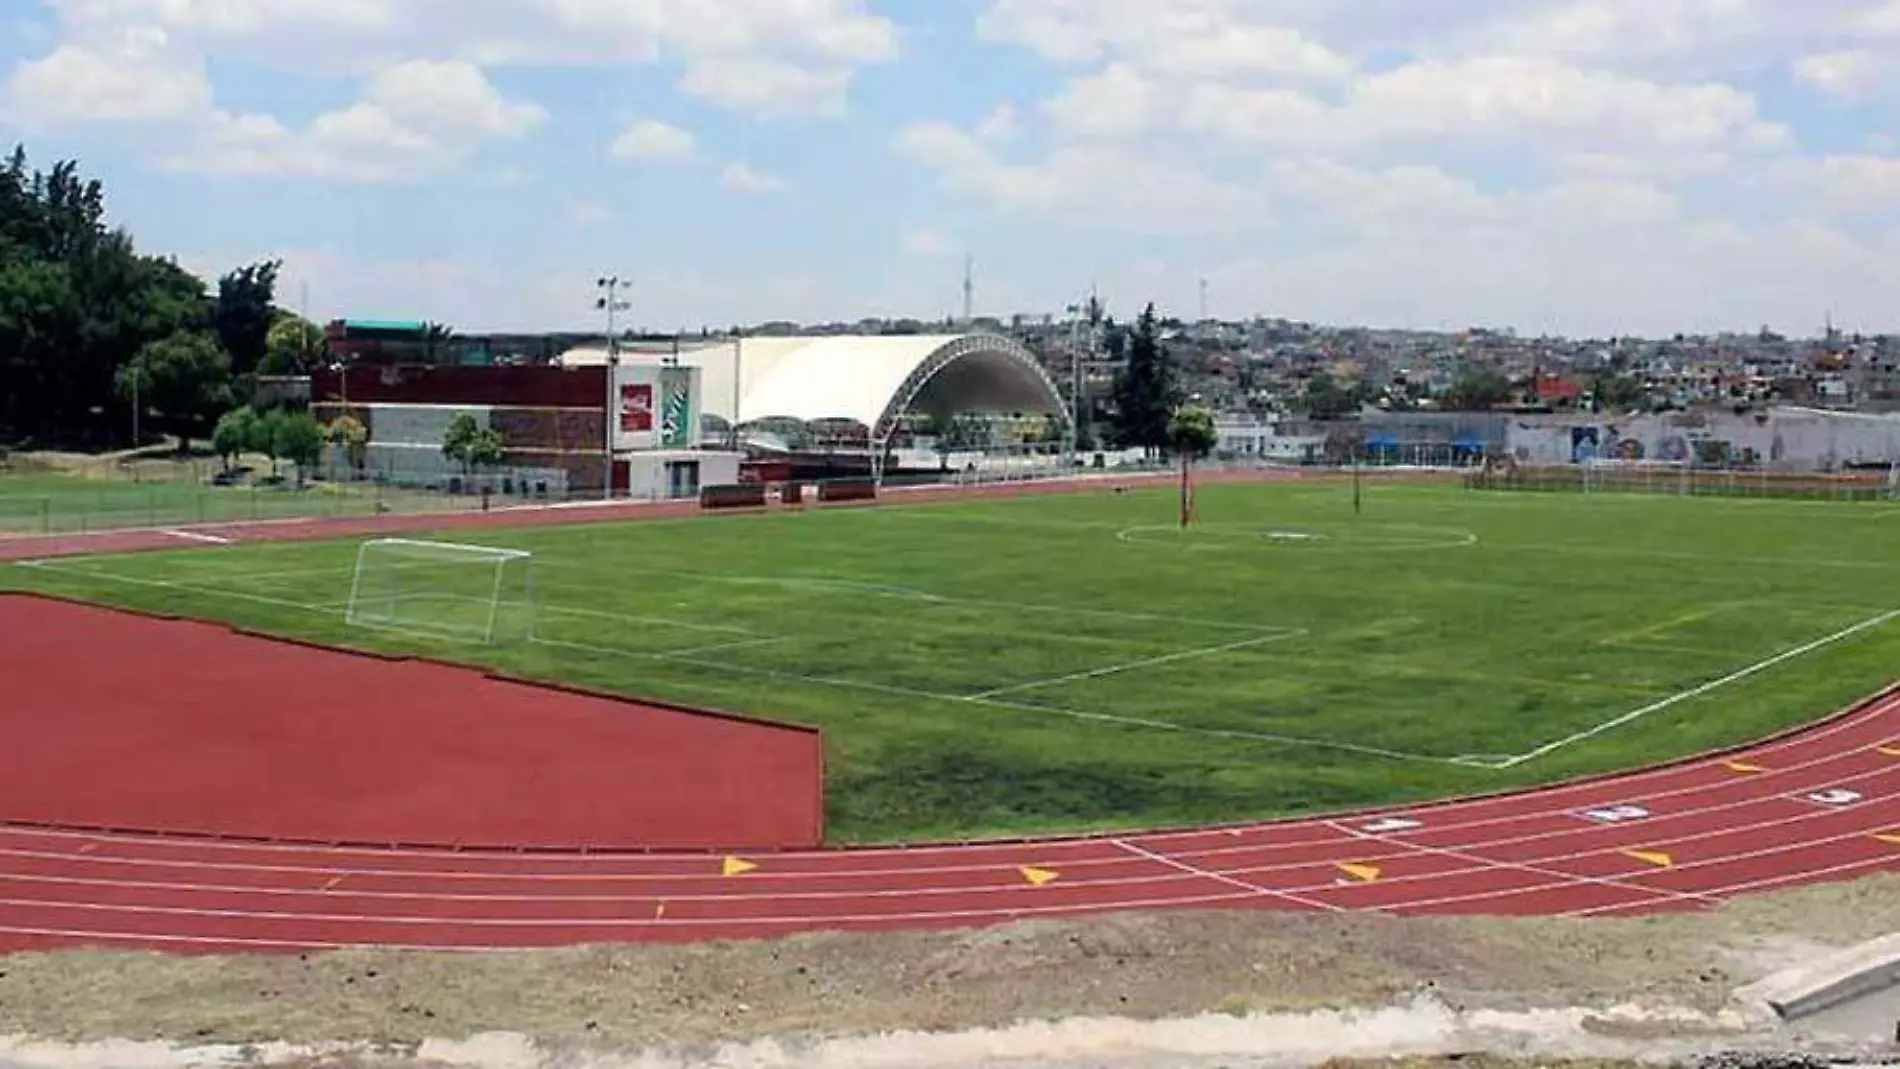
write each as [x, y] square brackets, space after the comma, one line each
[608, 300]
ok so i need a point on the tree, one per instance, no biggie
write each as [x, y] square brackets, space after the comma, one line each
[1478, 389]
[77, 303]
[1192, 435]
[182, 379]
[235, 432]
[1144, 389]
[458, 439]
[298, 438]
[486, 449]
[1325, 398]
[352, 436]
[264, 436]
[293, 346]
[243, 314]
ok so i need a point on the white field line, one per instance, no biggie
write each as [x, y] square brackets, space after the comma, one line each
[880, 589]
[1219, 877]
[907, 692]
[1130, 666]
[1739, 674]
[1297, 894]
[1401, 851]
[975, 849]
[1072, 714]
[163, 584]
[163, 939]
[196, 536]
[1535, 868]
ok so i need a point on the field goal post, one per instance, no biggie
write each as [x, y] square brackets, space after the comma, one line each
[451, 589]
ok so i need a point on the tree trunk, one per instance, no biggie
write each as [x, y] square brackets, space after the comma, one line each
[1187, 492]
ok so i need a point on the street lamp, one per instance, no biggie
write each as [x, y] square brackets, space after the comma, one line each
[608, 289]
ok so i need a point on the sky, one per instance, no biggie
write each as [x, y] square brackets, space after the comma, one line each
[1584, 167]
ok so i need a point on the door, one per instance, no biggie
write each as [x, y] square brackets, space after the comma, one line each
[682, 478]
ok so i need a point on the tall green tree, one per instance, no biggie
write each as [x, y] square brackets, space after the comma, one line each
[245, 312]
[1192, 435]
[181, 383]
[1144, 391]
[78, 302]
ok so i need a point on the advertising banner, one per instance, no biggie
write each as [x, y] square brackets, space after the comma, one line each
[636, 407]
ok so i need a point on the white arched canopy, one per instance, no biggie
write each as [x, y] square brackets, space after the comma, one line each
[868, 380]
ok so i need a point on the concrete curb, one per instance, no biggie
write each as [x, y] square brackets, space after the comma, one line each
[1808, 989]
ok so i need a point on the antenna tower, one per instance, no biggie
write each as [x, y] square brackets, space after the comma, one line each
[969, 289]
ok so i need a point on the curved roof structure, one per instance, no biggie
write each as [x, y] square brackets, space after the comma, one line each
[870, 380]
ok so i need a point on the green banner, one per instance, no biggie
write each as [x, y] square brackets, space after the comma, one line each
[676, 409]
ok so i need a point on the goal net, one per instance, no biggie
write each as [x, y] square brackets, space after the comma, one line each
[477, 593]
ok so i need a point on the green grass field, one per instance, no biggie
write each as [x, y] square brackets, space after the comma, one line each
[1071, 662]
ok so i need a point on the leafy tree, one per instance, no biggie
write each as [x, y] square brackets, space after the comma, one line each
[293, 346]
[486, 449]
[458, 439]
[243, 315]
[235, 432]
[1144, 391]
[77, 303]
[1477, 389]
[183, 379]
[264, 436]
[1192, 435]
[298, 438]
[352, 436]
[1325, 398]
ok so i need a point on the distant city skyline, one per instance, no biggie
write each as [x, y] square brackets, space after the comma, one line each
[1571, 167]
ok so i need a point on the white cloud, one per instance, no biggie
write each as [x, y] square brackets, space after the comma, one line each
[741, 178]
[413, 119]
[767, 86]
[1851, 74]
[588, 213]
[926, 241]
[1001, 124]
[650, 139]
[131, 76]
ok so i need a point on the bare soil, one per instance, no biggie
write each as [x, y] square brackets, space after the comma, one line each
[1140, 967]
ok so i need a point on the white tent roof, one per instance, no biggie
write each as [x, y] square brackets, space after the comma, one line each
[865, 379]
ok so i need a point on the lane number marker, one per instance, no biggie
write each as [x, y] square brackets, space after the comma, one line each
[1616, 814]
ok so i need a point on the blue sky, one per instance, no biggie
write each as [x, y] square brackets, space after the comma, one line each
[1587, 166]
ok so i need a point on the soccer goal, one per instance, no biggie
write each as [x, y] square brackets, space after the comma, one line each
[478, 593]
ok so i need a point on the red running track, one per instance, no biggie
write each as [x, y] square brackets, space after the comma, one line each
[1820, 805]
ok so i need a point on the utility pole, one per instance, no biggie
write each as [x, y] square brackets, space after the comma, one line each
[608, 289]
[1203, 300]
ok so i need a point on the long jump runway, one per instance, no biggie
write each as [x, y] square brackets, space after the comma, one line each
[1815, 806]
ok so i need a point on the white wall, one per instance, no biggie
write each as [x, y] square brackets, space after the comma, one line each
[1792, 438]
[647, 476]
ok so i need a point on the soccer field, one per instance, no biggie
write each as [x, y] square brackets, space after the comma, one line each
[1069, 662]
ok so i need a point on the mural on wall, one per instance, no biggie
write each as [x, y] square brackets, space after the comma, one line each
[676, 408]
[1629, 449]
[1583, 444]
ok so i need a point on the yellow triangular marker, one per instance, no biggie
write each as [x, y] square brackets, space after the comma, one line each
[1037, 877]
[1889, 751]
[1362, 873]
[1744, 767]
[1889, 837]
[1652, 857]
[733, 866]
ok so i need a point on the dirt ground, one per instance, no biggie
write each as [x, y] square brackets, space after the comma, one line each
[1139, 967]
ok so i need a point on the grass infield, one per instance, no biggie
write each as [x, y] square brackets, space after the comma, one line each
[1067, 663]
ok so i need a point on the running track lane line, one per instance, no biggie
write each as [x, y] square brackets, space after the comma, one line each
[180, 924]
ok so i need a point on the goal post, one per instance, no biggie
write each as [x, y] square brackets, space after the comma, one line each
[479, 593]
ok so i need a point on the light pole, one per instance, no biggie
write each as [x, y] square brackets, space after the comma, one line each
[608, 289]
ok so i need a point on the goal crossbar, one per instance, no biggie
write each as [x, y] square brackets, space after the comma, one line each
[444, 588]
